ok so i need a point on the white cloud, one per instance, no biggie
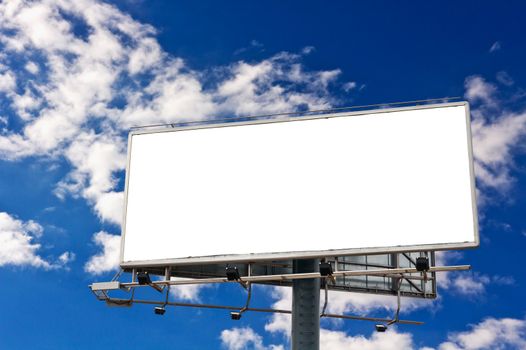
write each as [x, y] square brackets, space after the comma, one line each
[96, 158]
[308, 50]
[254, 44]
[493, 145]
[26, 104]
[190, 292]
[491, 333]
[465, 283]
[251, 88]
[16, 242]
[351, 85]
[108, 259]
[504, 78]
[109, 206]
[496, 134]
[474, 284]
[495, 47]
[7, 82]
[32, 67]
[478, 90]
[361, 303]
[18, 247]
[280, 323]
[390, 340]
[470, 285]
[244, 339]
[66, 258]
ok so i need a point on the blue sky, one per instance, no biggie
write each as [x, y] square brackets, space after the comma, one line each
[75, 75]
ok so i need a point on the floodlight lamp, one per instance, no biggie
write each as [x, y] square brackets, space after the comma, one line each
[422, 264]
[159, 310]
[232, 274]
[143, 278]
[381, 328]
[325, 269]
[235, 315]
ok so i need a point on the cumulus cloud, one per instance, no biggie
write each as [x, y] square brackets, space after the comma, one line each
[32, 67]
[244, 339]
[66, 258]
[496, 134]
[479, 90]
[390, 340]
[108, 258]
[96, 158]
[18, 247]
[491, 333]
[7, 82]
[16, 242]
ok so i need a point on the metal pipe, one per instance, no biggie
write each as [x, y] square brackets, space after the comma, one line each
[234, 308]
[308, 275]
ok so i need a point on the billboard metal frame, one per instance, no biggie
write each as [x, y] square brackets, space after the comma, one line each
[235, 258]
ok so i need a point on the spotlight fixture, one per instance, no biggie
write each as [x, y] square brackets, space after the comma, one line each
[159, 310]
[422, 264]
[325, 269]
[232, 274]
[235, 315]
[380, 328]
[143, 278]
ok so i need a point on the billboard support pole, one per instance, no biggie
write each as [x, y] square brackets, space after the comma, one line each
[305, 307]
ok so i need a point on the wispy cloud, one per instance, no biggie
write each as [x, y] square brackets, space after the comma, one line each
[465, 284]
[504, 78]
[491, 333]
[495, 46]
[351, 85]
[254, 45]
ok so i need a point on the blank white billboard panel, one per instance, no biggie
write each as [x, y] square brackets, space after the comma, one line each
[363, 182]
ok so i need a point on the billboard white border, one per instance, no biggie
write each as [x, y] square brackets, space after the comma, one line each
[238, 258]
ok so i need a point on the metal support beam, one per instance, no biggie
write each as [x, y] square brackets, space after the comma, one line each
[305, 307]
[128, 302]
[305, 275]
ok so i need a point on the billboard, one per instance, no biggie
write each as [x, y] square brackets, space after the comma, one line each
[355, 183]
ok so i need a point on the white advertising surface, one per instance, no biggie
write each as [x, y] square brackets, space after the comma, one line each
[349, 183]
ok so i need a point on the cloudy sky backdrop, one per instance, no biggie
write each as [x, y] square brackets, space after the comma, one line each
[76, 75]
